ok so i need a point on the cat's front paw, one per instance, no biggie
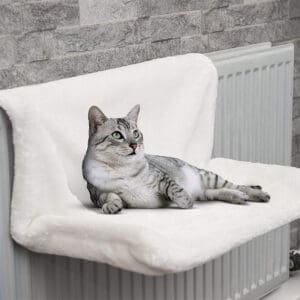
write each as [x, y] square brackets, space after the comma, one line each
[184, 200]
[111, 207]
[113, 203]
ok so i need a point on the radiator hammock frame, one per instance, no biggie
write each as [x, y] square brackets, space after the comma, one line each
[254, 114]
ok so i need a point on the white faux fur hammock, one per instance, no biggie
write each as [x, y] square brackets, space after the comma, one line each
[51, 211]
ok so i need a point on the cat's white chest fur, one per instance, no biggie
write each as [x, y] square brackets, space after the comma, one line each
[100, 176]
[140, 195]
[134, 190]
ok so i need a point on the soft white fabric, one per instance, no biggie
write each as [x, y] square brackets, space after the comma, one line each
[51, 210]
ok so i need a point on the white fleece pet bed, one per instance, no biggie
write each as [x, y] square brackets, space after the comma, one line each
[51, 211]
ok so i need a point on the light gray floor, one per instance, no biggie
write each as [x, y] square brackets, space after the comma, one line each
[290, 290]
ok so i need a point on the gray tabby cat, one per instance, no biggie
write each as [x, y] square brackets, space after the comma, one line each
[119, 174]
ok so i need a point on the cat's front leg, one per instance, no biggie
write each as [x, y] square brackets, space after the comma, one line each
[175, 192]
[111, 203]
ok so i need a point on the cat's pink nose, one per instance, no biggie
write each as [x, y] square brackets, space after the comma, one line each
[133, 146]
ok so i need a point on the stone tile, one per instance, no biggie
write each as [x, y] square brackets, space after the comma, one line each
[236, 2]
[23, 17]
[296, 126]
[34, 46]
[100, 11]
[296, 160]
[175, 25]
[296, 145]
[159, 7]
[276, 31]
[217, 3]
[70, 2]
[296, 93]
[7, 51]
[123, 56]
[47, 70]
[296, 108]
[11, 77]
[237, 37]
[213, 4]
[294, 9]
[243, 15]
[99, 37]
[297, 66]
[164, 48]
[53, 69]
[194, 44]
[247, 2]
[57, 68]
[283, 30]
[49, 15]
[10, 19]
[297, 58]
[214, 20]
[293, 28]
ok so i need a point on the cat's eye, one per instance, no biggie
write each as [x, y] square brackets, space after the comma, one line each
[136, 134]
[117, 135]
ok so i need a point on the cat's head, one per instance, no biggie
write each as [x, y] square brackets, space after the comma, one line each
[115, 139]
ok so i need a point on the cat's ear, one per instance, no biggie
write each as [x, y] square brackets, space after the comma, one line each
[134, 113]
[96, 118]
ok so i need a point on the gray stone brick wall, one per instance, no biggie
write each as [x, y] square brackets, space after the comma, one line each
[43, 40]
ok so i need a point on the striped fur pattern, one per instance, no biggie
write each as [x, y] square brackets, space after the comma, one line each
[119, 174]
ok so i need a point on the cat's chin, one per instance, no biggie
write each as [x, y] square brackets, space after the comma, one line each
[134, 155]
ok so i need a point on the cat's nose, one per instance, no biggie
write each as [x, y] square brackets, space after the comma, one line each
[133, 146]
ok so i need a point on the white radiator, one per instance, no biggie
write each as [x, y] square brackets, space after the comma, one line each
[254, 107]
[253, 122]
